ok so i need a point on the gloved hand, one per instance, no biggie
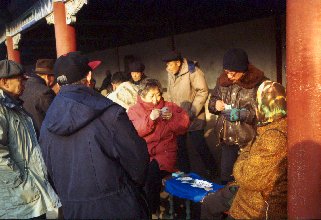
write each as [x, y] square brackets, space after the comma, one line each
[155, 114]
[235, 114]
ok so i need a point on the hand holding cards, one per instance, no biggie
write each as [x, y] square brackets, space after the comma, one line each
[165, 113]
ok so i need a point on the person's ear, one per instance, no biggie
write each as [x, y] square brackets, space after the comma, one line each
[46, 78]
[114, 86]
[179, 63]
[4, 82]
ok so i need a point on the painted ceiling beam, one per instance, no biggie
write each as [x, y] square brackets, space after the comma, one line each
[41, 9]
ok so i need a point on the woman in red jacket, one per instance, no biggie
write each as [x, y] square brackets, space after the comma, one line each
[158, 122]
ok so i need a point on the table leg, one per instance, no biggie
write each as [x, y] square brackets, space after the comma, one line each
[188, 209]
[171, 207]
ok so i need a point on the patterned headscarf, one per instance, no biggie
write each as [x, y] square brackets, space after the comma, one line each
[271, 100]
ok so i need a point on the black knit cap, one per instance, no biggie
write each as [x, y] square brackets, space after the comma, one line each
[71, 67]
[9, 69]
[136, 66]
[236, 60]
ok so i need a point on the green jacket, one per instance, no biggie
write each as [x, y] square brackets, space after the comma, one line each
[24, 188]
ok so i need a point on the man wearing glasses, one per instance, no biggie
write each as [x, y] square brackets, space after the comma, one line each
[233, 100]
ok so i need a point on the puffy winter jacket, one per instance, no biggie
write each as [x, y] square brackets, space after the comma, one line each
[125, 95]
[94, 155]
[188, 89]
[261, 173]
[239, 95]
[160, 135]
[24, 188]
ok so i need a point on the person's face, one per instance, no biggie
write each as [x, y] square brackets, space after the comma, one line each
[14, 86]
[152, 96]
[49, 79]
[233, 75]
[136, 76]
[173, 67]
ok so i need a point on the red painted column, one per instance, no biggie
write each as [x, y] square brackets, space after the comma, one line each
[12, 53]
[303, 58]
[65, 34]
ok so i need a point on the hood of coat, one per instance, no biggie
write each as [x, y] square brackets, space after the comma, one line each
[252, 78]
[150, 106]
[74, 107]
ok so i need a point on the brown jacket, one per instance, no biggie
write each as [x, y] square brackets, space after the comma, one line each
[188, 89]
[240, 95]
[261, 173]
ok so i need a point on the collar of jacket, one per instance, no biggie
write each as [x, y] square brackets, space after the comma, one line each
[35, 78]
[280, 124]
[150, 106]
[9, 101]
[187, 66]
[252, 78]
[73, 87]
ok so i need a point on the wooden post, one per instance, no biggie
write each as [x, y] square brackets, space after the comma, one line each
[13, 54]
[65, 34]
[303, 58]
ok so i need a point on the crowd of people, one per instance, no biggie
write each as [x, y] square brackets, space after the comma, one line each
[104, 153]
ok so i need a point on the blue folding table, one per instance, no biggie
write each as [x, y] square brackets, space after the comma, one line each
[191, 187]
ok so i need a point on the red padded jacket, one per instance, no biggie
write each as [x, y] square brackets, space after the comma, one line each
[160, 135]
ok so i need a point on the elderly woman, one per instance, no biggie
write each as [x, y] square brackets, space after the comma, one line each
[260, 171]
[158, 122]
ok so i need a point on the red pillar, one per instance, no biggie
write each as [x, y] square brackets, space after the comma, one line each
[65, 34]
[303, 51]
[12, 53]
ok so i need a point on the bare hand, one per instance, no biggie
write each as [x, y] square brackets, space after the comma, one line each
[167, 115]
[219, 105]
[155, 114]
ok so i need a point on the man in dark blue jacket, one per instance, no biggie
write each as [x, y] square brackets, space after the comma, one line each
[93, 153]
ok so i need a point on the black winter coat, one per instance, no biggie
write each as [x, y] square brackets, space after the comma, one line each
[238, 95]
[37, 98]
[94, 155]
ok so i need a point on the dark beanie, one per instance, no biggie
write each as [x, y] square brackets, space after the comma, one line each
[236, 60]
[136, 66]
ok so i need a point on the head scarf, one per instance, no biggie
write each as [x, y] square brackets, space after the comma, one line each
[271, 101]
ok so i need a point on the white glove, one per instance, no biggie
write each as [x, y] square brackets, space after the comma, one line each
[155, 114]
